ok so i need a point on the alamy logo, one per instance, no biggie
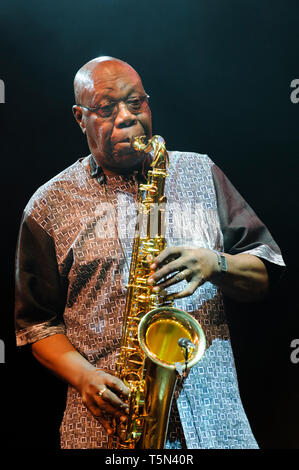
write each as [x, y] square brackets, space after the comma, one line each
[2, 352]
[2, 91]
[295, 353]
[295, 93]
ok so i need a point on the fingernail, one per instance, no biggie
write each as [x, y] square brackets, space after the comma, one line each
[150, 280]
[153, 265]
[124, 390]
[156, 289]
[124, 406]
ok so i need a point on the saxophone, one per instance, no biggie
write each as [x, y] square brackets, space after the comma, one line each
[152, 352]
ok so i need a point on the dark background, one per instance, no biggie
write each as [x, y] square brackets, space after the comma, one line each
[218, 73]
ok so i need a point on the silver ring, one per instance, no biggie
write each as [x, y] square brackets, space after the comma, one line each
[100, 393]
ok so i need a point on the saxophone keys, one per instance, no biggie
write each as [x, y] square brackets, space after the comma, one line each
[142, 298]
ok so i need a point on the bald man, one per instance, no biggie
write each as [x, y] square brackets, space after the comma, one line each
[73, 259]
[109, 127]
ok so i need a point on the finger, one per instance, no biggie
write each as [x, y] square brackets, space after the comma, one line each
[110, 402]
[190, 289]
[116, 384]
[109, 429]
[165, 271]
[172, 280]
[105, 408]
[164, 256]
[98, 414]
[107, 413]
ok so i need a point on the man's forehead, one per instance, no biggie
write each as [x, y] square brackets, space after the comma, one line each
[111, 68]
[109, 77]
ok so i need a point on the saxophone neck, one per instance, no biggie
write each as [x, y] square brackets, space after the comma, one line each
[157, 145]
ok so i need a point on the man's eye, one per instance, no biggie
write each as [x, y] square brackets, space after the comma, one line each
[135, 104]
[107, 109]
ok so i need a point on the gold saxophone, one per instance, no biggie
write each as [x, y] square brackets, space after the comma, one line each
[159, 342]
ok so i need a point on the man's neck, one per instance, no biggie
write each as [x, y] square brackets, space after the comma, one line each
[121, 171]
[141, 168]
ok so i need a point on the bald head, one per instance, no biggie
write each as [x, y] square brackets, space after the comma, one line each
[112, 108]
[94, 71]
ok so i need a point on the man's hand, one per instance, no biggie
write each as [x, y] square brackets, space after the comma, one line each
[246, 279]
[101, 394]
[195, 265]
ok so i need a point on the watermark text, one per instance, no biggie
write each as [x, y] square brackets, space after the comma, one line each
[295, 353]
[295, 93]
[184, 221]
[2, 91]
[2, 351]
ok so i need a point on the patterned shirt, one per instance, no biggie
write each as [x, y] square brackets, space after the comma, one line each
[73, 257]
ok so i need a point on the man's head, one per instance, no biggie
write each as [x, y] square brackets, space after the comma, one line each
[119, 111]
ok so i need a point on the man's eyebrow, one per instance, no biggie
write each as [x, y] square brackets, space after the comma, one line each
[99, 97]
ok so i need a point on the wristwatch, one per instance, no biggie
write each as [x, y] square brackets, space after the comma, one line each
[222, 265]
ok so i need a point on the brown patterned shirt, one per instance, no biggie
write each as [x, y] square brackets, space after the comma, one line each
[71, 276]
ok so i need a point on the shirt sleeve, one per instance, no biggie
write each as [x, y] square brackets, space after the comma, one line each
[243, 231]
[40, 292]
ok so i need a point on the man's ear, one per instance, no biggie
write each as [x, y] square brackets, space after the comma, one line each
[77, 112]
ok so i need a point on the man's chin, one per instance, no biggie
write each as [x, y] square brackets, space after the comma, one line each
[126, 159]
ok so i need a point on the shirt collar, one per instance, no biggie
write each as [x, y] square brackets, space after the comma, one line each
[97, 172]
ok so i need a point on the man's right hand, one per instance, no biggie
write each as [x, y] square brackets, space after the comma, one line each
[101, 394]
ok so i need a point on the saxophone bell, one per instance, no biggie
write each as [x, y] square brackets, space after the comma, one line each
[163, 333]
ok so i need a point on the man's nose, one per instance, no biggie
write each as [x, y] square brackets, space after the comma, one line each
[124, 117]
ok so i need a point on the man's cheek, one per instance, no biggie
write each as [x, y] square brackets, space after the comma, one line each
[103, 140]
[146, 124]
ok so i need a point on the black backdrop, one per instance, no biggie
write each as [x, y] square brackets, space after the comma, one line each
[219, 74]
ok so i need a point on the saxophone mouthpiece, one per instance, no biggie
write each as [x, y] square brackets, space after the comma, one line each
[138, 142]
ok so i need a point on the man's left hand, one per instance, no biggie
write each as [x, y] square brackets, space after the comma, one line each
[195, 265]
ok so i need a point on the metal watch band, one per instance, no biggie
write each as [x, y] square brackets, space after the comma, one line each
[222, 264]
